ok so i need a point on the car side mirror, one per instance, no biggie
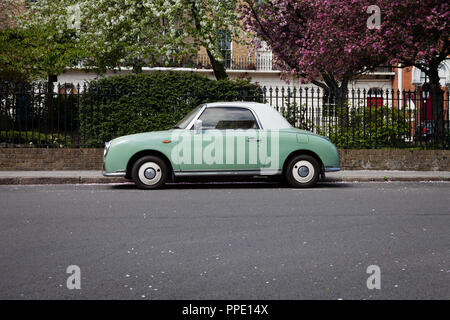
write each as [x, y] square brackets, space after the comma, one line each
[198, 124]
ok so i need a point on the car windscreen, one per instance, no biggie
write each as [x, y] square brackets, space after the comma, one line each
[187, 119]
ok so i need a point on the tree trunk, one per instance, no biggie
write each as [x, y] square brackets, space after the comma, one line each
[437, 105]
[334, 88]
[218, 67]
[336, 94]
[137, 69]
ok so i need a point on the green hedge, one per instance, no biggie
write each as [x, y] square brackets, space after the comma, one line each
[357, 128]
[34, 138]
[367, 128]
[123, 105]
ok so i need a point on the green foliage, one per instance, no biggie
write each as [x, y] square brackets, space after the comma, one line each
[38, 44]
[123, 105]
[369, 127]
[297, 116]
[354, 128]
[52, 35]
[34, 138]
[30, 107]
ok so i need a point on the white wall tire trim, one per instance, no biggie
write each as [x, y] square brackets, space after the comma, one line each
[303, 171]
[149, 173]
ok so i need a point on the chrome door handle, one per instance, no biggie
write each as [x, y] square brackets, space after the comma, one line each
[253, 140]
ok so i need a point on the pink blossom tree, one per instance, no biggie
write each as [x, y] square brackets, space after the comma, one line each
[416, 33]
[328, 42]
[323, 42]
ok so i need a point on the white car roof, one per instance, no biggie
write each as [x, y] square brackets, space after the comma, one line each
[269, 118]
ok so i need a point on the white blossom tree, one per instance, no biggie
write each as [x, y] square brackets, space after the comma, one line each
[134, 33]
[138, 33]
[37, 42]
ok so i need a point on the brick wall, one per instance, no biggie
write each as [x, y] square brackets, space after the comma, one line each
[395, 159]
[92, 159]
[240, 49]
[50, 159]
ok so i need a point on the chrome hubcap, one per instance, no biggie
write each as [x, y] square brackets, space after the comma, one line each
[303, 171]
[150, 173]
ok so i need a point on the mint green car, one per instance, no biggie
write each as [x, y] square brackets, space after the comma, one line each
[222, 139]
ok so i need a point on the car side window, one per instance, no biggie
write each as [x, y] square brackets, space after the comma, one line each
[228, 118]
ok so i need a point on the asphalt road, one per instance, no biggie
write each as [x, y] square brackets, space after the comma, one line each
[222, 241]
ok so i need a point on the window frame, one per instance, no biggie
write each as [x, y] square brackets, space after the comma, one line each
[191, 125]
[224, 36]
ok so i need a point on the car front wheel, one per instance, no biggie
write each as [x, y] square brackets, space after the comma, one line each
[302, 172]
[150, 172]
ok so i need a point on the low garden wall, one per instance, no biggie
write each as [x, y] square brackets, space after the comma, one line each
[50, 159]
[92, 159]
[395, 159]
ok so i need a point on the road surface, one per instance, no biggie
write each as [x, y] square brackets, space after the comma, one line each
[226, 241]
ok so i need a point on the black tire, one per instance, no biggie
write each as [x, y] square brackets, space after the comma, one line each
[306, 173]
[156, 166]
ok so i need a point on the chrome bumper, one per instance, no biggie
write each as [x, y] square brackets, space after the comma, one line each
[113, 174]
[120, 173]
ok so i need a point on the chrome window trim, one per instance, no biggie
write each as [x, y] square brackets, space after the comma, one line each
[189, 127]
[256, 117]
[191, 124]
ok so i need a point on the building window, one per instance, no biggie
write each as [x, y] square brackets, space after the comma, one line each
[419, 78]
[225, 47]
[264, 58]
[442, 75]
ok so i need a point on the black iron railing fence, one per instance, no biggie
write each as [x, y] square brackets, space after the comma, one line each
[68, 115]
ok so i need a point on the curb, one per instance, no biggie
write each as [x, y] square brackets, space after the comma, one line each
[104, 180]
[389, 179]
[59, 180]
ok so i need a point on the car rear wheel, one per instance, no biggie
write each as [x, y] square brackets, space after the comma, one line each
[150, 172]
[302, 172]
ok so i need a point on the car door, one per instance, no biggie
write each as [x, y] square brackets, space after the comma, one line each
[228, 141]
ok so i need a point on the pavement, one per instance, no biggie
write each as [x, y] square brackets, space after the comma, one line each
[95, 177]
[226, 241]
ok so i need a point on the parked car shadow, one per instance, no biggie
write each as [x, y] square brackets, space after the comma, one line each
[233, 185]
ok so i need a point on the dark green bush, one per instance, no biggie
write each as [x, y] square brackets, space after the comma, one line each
[130, 104]
[34, 138]
[361, 127]
[370, 127]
